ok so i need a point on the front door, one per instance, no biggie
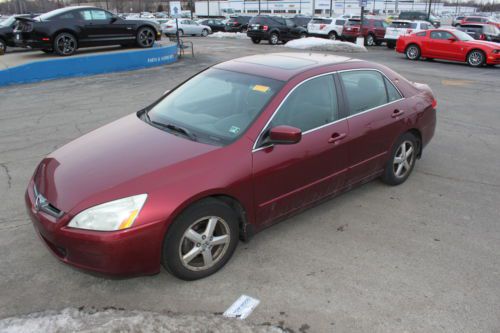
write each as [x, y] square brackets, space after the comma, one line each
[289, 177]
[440, 45]
[102, 27]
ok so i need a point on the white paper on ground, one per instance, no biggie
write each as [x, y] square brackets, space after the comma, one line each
[242, 308]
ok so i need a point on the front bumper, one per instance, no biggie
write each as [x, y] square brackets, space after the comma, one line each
[134, 251]
[493, 59]
[233, 28]
[258, 34]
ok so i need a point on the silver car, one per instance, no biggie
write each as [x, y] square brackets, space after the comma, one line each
[186, 27]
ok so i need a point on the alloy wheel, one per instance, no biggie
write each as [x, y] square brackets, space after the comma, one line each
[274, 39]
[412, 52]
[403, 159]
[332, 36]
[475, 58]
[370, 41]
[146, 37]
[204, 243]
[204, 32]
[66, 44]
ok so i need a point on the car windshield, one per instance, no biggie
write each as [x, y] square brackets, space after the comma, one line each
[216, 106]
[8, 22]
[462, 36]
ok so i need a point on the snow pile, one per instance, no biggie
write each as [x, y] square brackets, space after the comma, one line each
[123, 321]
[321, 44]
[234, 35]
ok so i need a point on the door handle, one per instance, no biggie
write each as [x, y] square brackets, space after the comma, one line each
[397, 113]
[336, 137]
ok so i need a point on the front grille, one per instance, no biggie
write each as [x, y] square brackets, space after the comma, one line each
[41, 204]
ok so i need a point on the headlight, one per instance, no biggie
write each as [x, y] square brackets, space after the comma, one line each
[114, 215]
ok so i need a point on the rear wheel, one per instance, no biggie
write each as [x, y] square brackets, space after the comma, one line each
[255, 40]
[201, 240]
[412, 52]
[333, 35]
[204, 33]
[303, 35]
[145, 37]
[65, 44]
[274, 38]
[402, 160]
[476, 58]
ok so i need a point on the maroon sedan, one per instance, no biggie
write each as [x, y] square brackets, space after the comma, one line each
[229, 152]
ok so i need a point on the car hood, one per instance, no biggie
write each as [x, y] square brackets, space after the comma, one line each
[110, 162]
[491, 45]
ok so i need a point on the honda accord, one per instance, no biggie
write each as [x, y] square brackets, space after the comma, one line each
[229, 152]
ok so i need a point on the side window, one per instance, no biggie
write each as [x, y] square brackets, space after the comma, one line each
[364, 90]
[100, 15]
[310, 105]
[392, 93]
[289, 23]
[440, 35]
[86, 15]
[378, 24]
[340, 22]
[66, 16]
[422, 34]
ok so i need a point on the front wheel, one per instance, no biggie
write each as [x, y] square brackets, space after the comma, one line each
[145, 37]
[204, 33]
[332, 35]
[274, 39]
[413, 52]
[402, 160]
[3, 47]
[65, 44]
[255, 40]
[370, 40]
[201, 240]
[475, 58]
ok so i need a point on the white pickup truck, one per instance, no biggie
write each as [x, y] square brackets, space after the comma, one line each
[330, 27]
[403, 27]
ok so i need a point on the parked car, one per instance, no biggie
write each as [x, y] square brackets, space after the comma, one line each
[214, 24]
[420, 16]
[7, 33]
[274, 29]
[64, 30]
[301, 20]
[477, 19]
[373, 30]
[186, 27]
[449, 44]
[485, 32]
[237, 24]
[326, 27]
[403, 27]
[231, 151]
[456, 20]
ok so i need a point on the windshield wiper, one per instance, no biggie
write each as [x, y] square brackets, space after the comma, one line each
[171, 127]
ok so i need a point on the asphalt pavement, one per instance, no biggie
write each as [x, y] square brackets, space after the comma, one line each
[420, 257]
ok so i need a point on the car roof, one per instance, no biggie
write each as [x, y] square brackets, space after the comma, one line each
[282, 66]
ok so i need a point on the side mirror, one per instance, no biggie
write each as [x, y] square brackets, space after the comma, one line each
[114, 19]
[284, 135]
[452, 39]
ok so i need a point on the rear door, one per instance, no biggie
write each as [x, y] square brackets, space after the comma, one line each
[289, 177]
[375, 120]
[379, 29]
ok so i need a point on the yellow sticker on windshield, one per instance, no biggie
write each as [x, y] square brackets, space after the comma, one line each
[260, 88]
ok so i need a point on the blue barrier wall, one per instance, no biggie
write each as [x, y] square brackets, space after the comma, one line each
[88, 65]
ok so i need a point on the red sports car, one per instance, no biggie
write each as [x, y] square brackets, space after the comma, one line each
[224, 155]
[449, 44]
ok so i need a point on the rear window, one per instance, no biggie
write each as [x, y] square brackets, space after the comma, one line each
[340, 22]
[321, 21]
[396, 24]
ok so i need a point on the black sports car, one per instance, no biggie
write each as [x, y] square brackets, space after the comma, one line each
[7, 33]
[64, 30]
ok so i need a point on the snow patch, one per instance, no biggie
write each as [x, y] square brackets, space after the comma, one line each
[124, 321]
[233, 35]
[321, 44]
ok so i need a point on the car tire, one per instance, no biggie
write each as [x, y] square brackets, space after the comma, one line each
[255, 40]
[193, 232]
[204, 33]
[274, 38]
[333, 35]
[3, 47]
[391, 45]
[145, 37]
[370, 40]
[181, 32]
[402, 160]
[65, 44]
[476, 58]
[412, 52]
